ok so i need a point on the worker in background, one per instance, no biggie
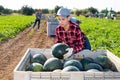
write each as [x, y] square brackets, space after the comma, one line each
[38, 15]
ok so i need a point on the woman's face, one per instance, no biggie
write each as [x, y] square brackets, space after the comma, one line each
[63, 21]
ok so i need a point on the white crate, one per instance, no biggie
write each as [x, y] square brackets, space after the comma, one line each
[21, 74]
[51, 26]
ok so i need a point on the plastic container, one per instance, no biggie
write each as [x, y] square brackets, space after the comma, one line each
[51, 26]
[21, 74]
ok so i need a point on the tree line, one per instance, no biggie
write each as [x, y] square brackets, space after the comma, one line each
[27, 10]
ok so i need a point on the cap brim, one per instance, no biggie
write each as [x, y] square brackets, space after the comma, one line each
[62, 16]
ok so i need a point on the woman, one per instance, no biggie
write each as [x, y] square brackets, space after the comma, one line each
[69, 32]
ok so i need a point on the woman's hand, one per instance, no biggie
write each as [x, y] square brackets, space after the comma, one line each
[69, 53]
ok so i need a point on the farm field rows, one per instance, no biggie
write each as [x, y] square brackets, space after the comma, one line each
[102, 33]
[10, 26]
[12, 50]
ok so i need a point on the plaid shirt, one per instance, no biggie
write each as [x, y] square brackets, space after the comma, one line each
[73, 37]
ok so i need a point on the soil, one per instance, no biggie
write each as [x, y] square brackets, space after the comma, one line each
[12, 50]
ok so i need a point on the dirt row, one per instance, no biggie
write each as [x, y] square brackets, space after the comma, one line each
[12, 50]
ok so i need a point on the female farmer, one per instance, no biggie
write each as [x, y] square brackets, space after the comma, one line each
[69, 32]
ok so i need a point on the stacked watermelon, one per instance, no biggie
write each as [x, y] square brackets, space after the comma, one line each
[39, 62]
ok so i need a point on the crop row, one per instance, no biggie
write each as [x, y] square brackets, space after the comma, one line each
[10, 26]
[102, 33]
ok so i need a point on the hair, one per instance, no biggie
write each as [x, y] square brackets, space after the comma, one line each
[78, 22]
[66, 16]
[39, 10]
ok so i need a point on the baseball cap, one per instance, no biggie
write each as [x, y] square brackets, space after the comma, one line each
[64, 12]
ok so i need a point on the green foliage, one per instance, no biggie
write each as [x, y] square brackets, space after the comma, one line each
[10, 26]
[1, 8]
[57, 8]
[102, 33]
[7, 11]
[92, 10]
[26, 10]
[45, 11]
[77, 13]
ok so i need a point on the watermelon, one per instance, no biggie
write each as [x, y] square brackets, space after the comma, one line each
[93, 70]
[59, 49]
[52, 64]
[57, 70]
[93, 66]
[107, 70]
[70, 68]
[103, 61]
[39, 58]
[36, 67]
[73, 63]
[85, 61]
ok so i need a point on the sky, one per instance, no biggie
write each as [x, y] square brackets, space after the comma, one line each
[70, 4]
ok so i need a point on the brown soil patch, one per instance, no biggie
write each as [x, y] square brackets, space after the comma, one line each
[12, 50]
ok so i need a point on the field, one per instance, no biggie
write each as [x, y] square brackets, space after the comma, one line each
[10, 26]
[102, 33]
[12, 50]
